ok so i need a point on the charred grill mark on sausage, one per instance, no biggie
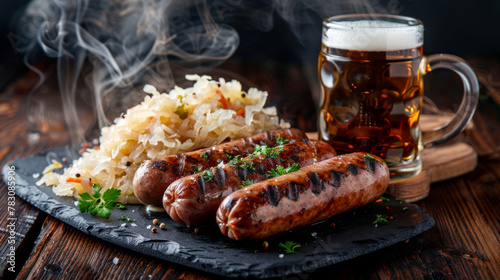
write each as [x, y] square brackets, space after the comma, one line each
[201, 184]
[370, 164]
[220, 177]
[295, 158]
[316, 183]
[260, 168]
[231, 203]
[292, 192]
[273, 194]
[242, 173]
[337, 178]
[160, 165]
[353, 169]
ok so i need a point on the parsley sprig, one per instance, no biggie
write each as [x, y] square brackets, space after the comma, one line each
[369, 156]
[289, 246]
[97, 203]
[280, 170]
[381, 219]
[238, 162]
[281, 141]
[126, 219]
[204, 155]
[246, 183]
[267, 151]
[208, 175]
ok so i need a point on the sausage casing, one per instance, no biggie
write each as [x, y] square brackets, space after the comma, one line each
[311, 194]
[194, 199]
[154, 176]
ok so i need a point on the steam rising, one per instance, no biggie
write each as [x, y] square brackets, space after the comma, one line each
[107, 50]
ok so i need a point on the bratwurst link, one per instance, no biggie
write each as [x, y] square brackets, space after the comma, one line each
[194, 199]
[311, 194]
[153, 177]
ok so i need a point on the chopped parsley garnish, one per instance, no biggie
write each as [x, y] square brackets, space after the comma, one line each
[229, 156]
[246, 183]
[267, 151]
[126, 219]
[384, 198]
[280, 170]
[195, 169]
[281, 141]
[381, 219]
[247, 165]
[204, 155]
[368, 156]
[405, 208]
[208, 176]
[120, 206]
[97, 203]
[238, 162]
[290, 246]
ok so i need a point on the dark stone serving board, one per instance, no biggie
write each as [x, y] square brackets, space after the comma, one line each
[335, 240]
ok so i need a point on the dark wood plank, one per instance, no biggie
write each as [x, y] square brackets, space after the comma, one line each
[64, 252]
[26, 220]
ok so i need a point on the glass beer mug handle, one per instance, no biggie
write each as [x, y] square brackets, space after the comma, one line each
[469, 101]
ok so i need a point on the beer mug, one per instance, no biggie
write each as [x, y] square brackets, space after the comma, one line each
[371, 70]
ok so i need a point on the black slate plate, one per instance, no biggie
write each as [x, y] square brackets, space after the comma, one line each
[338, 239]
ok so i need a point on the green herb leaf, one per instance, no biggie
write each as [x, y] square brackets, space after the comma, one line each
[381, 219]
[111, 194]
[281, 141]
[405, 208]
[289, 246]
[280, 170]
[120, 206]
[96, 190]
[126, 219]
[98, 204]
[208, 176]
[369, 156]
[195, 169]
[384, 198]
[85, 202]
[104, 212]
[246, 183]
[238, 162]
[267, 151]
[229, 156]
[204, 155]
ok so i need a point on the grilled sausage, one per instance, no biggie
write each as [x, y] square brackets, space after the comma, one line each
[194, 199]
[303, 197]
[154, 176]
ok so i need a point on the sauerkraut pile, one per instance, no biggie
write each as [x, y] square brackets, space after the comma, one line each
[164, 124]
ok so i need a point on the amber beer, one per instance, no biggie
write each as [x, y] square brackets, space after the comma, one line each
[371, 79]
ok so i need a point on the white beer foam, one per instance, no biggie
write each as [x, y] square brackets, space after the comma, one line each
[366, 35]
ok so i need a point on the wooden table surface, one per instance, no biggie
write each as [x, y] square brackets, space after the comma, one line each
[464, 243]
